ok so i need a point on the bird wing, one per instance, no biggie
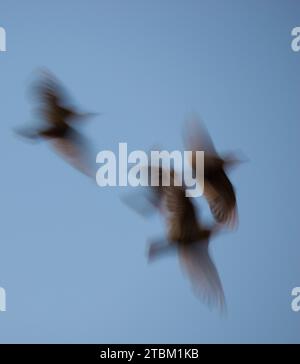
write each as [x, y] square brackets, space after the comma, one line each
[197, 137]
[73, 149]
[56, 107]
[220, 195]
[202, 273]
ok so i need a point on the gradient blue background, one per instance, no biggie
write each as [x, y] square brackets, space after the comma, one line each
[72, 256]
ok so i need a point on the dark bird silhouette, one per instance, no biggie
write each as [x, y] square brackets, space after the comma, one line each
[59, 119]
[189, 237]
[218, 189]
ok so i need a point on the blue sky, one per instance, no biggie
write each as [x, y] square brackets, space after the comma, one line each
[72, 254]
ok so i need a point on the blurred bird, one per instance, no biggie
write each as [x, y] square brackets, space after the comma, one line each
[59, 118]
[218, 190]
[189, 237]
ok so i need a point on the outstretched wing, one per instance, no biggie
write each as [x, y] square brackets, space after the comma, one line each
[55, 106]
[74, 149]
[197, 137]
[203, 274]
[220, 195]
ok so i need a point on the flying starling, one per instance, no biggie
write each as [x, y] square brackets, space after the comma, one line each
[59, 119]
[218, 189]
